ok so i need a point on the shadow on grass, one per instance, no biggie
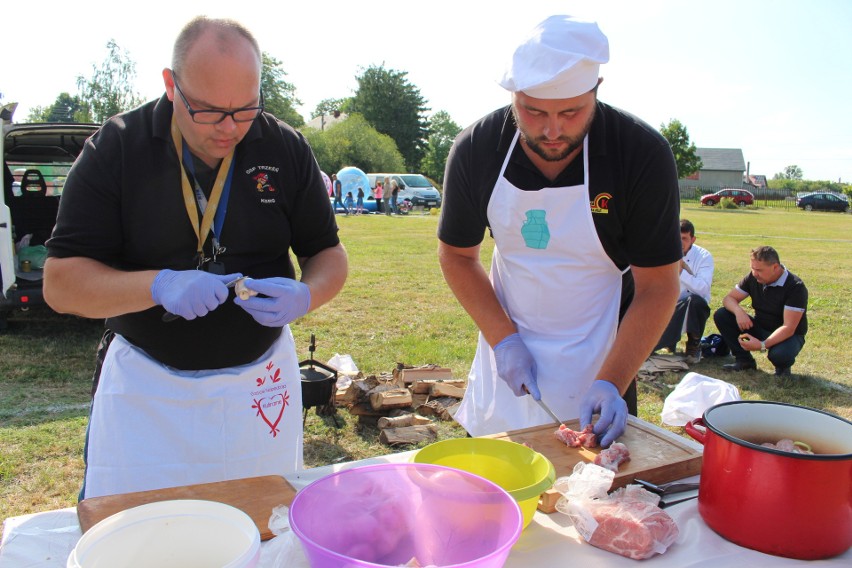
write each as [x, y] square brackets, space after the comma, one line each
[319, 452]
[799, 389]
[41, 322]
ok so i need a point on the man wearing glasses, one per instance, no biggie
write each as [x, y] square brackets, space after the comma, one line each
[166, 208]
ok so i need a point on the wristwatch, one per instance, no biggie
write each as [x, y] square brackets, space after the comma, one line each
[763, 347]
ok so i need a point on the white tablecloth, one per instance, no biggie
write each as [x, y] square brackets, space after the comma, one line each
[44, 540]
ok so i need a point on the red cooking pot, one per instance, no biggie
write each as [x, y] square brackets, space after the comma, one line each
[777, 502]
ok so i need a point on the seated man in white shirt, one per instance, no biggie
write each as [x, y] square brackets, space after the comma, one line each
[693, 305]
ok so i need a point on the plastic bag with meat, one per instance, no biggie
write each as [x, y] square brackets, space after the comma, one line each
[627, 522]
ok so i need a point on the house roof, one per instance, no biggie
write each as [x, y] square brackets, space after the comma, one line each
[726, 159]
[324, 121]
[757, 181]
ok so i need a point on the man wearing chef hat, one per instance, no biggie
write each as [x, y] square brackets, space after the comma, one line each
[582, 202]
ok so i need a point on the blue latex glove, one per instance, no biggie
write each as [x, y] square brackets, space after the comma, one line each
[286, 300]
[190, 294]
[516, 366]
[603, 397]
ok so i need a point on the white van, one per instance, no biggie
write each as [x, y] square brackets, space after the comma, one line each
[414, 187]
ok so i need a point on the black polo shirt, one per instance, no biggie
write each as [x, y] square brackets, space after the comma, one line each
[633, 189]
[770, 301]
[122, 205]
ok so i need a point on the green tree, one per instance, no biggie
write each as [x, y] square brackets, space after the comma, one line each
[65, 109]
[685, 154]
[110, 89]
[806, 186]
[279, 96]
[354, 142]
[790, 172]
[443, 131]
[394, 107]
[329, 106]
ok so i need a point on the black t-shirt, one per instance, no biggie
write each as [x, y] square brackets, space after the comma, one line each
[633, 187]
[769, 302]
[122, 205]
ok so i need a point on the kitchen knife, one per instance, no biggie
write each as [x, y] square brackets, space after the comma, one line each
[169, 316]
[549, 412]
[667, 488]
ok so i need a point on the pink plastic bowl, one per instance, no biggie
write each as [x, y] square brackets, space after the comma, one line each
[389, 514]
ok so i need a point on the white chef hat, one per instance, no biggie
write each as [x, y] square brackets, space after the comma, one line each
[560, 59]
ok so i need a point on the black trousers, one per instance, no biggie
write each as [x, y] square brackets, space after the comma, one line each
[631, 397]
[782, 355]
[694, 310]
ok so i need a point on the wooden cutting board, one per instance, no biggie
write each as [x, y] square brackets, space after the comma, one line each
[656, 455]
[255, 496]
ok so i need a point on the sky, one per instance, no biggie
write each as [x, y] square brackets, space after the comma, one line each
[771, 77]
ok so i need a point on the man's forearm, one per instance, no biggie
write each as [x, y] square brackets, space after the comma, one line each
[325, 273]
[88, 288]
[732, 305]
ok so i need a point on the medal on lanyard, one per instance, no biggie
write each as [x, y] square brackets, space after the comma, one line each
[213, 216]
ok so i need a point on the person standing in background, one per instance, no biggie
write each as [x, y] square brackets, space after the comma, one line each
[394, 191]
[337, 185]
[379, 193]
[359, 202]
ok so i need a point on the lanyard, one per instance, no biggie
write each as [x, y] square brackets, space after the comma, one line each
[211, 211]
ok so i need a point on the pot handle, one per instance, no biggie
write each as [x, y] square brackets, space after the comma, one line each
[695, 433]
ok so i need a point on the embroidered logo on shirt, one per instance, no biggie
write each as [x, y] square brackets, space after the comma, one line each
[270, 407]
[262, 184]
[600, 204]
[535, 232]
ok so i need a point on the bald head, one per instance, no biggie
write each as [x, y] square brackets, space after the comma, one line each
[224, 36]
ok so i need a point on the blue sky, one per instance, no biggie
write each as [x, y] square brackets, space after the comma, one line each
[772, 77]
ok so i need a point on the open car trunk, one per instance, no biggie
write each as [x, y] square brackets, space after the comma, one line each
[36, 161]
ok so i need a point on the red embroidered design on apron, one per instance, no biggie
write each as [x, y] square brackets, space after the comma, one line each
[275, 377]
[187, 427]
[282, 401]
[277, 400]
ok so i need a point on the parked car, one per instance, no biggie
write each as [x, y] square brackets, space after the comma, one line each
[740, 196]
[36, 160]
[414, 187]
[823, 200]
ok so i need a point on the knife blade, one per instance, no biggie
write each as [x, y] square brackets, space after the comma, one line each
[169, 316]
[550, 413]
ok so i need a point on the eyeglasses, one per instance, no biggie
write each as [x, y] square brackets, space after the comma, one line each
[245, 114]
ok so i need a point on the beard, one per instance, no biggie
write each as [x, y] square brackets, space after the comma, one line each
[553, 155]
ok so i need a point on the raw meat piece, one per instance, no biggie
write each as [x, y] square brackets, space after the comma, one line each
[634, 529]
[586, 437]
[627, 521]
[788, 445]
[613, 456]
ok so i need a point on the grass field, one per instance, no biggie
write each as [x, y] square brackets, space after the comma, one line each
[396, 308]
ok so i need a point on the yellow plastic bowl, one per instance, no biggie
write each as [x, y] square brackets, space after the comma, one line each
[524, 473]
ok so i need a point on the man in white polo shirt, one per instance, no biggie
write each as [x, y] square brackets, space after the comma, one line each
[693, 305]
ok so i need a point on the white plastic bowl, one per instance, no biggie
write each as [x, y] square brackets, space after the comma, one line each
[170, 534]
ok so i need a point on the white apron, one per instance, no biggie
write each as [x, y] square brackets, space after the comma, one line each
[153, 426]
[556, 282]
